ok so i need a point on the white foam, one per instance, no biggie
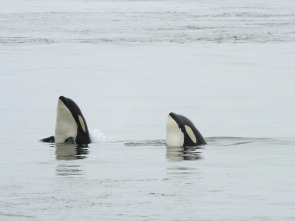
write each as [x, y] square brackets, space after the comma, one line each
[97, 136]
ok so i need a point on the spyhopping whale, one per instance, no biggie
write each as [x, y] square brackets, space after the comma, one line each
[180, 131]
[70, 124]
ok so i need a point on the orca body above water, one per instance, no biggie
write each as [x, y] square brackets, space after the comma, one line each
[71, 127]
[180, 131]
[70, 124]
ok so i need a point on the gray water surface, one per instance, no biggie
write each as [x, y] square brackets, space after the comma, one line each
[224, 181]
[226, 65]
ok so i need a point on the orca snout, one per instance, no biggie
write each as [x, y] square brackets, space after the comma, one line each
[62, 98]
[65, 100]
[172, 114]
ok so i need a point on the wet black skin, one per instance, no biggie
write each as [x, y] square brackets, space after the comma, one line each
[182, 121]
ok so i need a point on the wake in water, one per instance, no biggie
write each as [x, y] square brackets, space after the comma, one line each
[222, 141]
[233, 141]
[97, 136]
[74, 152]
[217, 141]
[146, 143]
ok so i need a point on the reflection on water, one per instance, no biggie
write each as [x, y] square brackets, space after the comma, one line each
[182, 153]
[68, 170]
[66, 154]
[177, 171]
[172, 153]
[70, 151]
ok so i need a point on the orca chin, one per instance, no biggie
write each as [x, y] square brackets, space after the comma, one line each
[70, 124]
[180, 131]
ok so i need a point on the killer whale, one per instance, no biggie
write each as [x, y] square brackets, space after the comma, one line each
[180, 131]
[70, 124]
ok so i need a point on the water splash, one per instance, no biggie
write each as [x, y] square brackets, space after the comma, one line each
[97, 136]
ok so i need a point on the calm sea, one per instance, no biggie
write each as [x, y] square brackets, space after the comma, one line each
[226, 65]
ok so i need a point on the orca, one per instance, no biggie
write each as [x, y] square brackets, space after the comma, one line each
[180, 131]
[70, 124]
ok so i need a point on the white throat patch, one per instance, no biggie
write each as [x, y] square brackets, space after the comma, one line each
[174, 135]
[66, 125]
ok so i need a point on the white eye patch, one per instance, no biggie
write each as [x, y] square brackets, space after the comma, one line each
[82, 123]
[190, 133]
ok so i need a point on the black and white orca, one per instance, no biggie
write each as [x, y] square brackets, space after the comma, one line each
[70, 124]
[180, 131]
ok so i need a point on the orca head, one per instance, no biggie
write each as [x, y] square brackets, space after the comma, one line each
[70, 122]
[180, 131]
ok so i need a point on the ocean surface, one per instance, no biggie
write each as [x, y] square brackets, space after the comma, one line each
[226, 65]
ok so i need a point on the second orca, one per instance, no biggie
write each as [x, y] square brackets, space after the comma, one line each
[180, 131]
